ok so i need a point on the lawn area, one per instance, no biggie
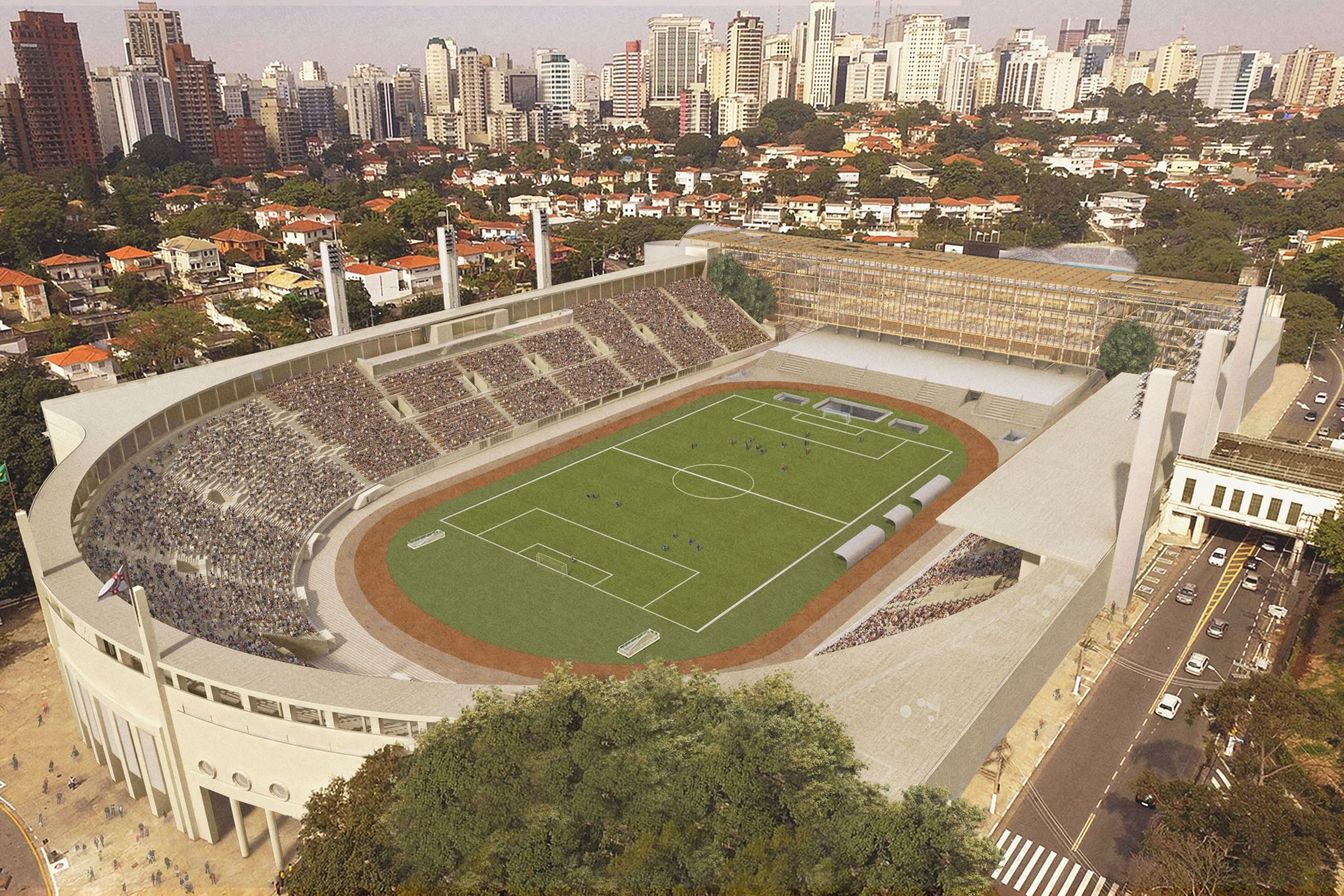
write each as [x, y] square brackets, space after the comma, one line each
[711, 524]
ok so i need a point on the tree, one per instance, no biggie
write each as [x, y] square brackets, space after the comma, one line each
[1321, 272]
[159, 152]
[654, 784]
[753, 293]
[204, 220]
[136, 293]
[33, 225]
[24, 385]
[822, 136]
[1309, 319]
[787, 115]
[959, 180]
[696, 149]
[360, 308]
[1329, 541]
[303, 191]
[163, 339]
[377, 240]
[662, 123]
[63, 334]
[419, 213]
[1129, 347]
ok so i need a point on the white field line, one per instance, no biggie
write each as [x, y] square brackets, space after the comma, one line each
[747, 491]
[862, 431]
[560, 555]
[945, 454]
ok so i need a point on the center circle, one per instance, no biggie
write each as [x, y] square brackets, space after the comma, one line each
[713, 482]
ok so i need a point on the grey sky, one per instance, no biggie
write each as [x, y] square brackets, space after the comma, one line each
[244, 36]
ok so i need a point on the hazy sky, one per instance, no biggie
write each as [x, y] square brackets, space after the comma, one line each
[244, 36]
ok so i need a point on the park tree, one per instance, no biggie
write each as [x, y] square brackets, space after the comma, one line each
[33, 225]
[753, 293]
[158, 152]
[359, 306]
[302, 191]
[377, 240]
[960, 180]
[1329, 542]
[655, 784]
[163, 339]
[696, 149]
[1309, 320]
[1321, 272]
[204, 220]
[1129, 347]
[24, 385]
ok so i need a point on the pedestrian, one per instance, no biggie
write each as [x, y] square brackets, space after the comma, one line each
[45, 708]
[51, 765]
[90, 875]
[14, 761]
[60, 798]
[45, 786]
[39, 720]
[40, 822]
[74, 754]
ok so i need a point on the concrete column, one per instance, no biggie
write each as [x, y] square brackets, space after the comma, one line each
[276, 852]
[541, 243]
[1239, 361]
[239, 828]
[1197, 531]
[1144, 469]
[333, 278]
[452, 289]
[1203, 412]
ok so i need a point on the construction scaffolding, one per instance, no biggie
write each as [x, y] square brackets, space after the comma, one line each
[1022, 309]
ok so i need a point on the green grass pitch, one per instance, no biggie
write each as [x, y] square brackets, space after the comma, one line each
[711, 524]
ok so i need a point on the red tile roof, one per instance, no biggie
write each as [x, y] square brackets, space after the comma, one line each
[304, 226]
[365, 270]
[65, 258]
[11, 277]
[413, 262]
[129, 253]
[237, 235]
[80, 354]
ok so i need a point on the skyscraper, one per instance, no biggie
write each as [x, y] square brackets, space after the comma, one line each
[676, 56]
[695, 108]
[149, 31]
[409, 90]
[14, 127]
[317, 107]
[312, 70]
[473, 95]
[716, 69]
[920, 72]
[61, 127]
[284, 130]
[440, 67]
[370, 95]
[197, 98]
[819, 64]
[1304, 77]
[1177, 62]
[278, 78]
[746, 54]
[143, 103]
[1227, 78]
[627, 82]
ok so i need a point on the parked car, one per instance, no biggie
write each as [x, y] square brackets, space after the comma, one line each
[1218, 557]
[1322, 398]
[1251, 581]
[1340, 404]
[1187, 594]
[1217, 628]
[1168, 706]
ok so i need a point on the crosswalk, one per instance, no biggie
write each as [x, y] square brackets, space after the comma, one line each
[1032, 870]
[1219, 778]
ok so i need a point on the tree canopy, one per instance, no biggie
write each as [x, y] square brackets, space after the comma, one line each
[1128, 348]
[1308, 319]
[654, 784]
[377, 240]
[753, 293]
[786, 115]
[163, 339]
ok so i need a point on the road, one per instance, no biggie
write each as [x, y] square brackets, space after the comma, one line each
[18, 858]
[1327, 375]
[1076, 828]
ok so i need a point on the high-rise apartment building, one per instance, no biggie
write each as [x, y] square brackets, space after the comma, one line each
[278, 79]
[142, 104]
[737, 112]
[1022, 69]
[1060, 76]
[241, 144]
[317, 107]
[819, 62]
[61, 127]
[370, 96]
[777, 69]
[104, 109]
[14, 127]
[1227, 78]
[628, 97]
[922, 56]
[559, 79]
[440, 68]
[695, 109]
[284, 130]
[1072, 36]
[956, 92]
[473, 95]
[149, 31]
[196, 95]
[716, 69]
[1176, 63]
[676, 60]
[746, 54]
[312, 70]
[409, 93]
[1304, 77]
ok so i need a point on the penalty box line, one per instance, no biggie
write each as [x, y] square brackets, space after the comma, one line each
[560, 555]
[900, 442]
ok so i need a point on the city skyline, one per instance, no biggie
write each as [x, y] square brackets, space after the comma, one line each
[228, 34]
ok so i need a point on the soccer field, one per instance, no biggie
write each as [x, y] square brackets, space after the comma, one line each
[710, 524]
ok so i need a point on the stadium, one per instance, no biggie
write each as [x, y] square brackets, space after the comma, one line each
[335, 544]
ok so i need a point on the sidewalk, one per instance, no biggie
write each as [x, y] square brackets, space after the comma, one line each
[1269, 410]
[72, 823]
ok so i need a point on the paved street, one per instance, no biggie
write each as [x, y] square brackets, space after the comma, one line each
[1079, 808]
[1327, 375]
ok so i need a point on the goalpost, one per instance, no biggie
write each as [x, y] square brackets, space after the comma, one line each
[841, 416]
[552, 560]
[638, 643]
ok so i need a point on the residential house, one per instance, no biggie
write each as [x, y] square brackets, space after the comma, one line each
[187, 256]
[1324, 239]
[86, 367]
[75, 274]
[274, 213]
[418, 273]
[235, 239]
[913, 171]
[307, 235]
[281, 281]
[22, 297]
[133, 260]
[383, 283]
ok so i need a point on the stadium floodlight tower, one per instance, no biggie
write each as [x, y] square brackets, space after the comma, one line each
[333, 278]
[452, 288]
[1145, 468]
[541, 245]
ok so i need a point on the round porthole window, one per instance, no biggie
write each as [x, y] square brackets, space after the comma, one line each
[242, 780]
[279, 791]
[206, 768]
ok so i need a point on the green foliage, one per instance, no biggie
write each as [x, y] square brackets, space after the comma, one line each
[1329, 542]
[33, 225]
[1128, 348]
[662, 123]
[753, 293]
[655, 784]
[163, 339]
[419, 213]
[1056, 199]
[1321, 272]
[204, 220]
[377, 240]
[157, 152]
[697, 149]
[822, 136]
[784, 116]
[136, 293]
[959, 180]
[360, 308]
[1308, 319]
[303, 191]
[24, 384]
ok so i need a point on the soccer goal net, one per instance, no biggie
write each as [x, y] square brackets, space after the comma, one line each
[840, 416]
[638, 643]
[552, 560]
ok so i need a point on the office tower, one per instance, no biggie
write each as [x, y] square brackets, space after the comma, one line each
[14, 127]
[819, 62]
[409, 99]
[440, 65]
[1122, 28]
[1177, 62]
[473, 94]
[104, 110]
[716, 69]
[196, 96]
[522, 90]
[1227, 78]
[1022, 68]
[956, 92]
[559, 79]
[1060, 77]
[142, 104]
[370, 97]
[737, 112]
[1304, 77]
[59, 108]
[921, 63]
[695, 110]
[798, 41]
[317, 107]
[278, 79]
[986, 91]
[862, 75]
[958, 29]
[312, 70]
[241, 144]
[746, 53]
[628, 97]
[284, 130]
[149, 31]
[1071, 37]
[676, 56]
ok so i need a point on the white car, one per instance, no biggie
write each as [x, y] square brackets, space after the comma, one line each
[1168, 706]
[1251, 582]
[1322, 398]
[1218, 557]
[1269, 544]
[1197, 663]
